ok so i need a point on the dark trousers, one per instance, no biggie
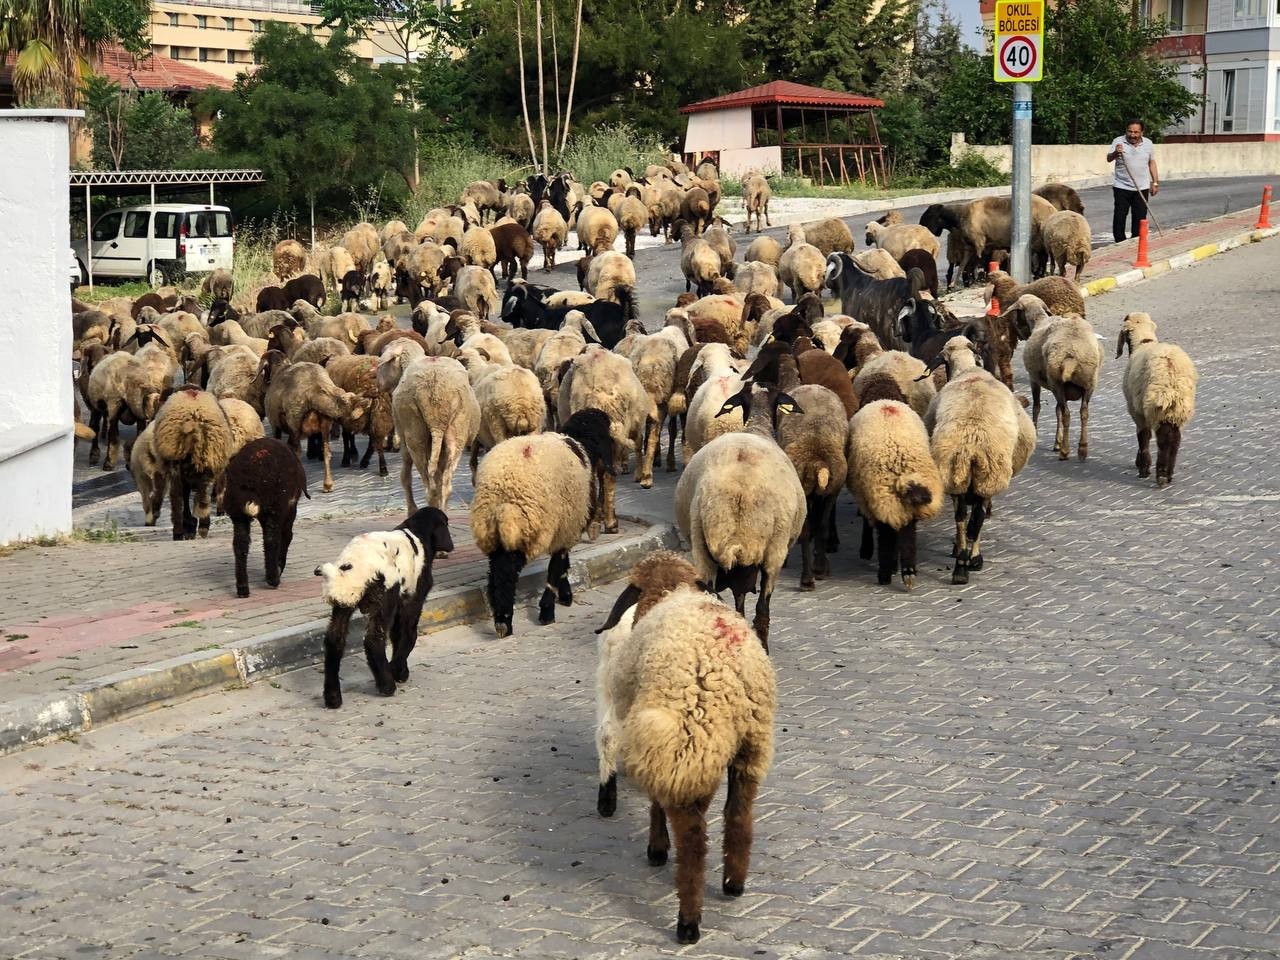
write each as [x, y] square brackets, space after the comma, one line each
[1128, 204]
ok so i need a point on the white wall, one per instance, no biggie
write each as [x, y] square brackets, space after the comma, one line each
[718, 130]
[1088, 161]
[35, 327]
[737, 162]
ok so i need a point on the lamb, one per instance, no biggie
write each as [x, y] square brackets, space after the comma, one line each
[654, 358]
[900, 238]
[699, 261]
[597, 229]
[602, 380]
[436, 416]
[707, 417]
[756, 194]
[288, 259]
[263, 481]
[980, 438]
[512, 245]
[381, 282]
[829, 236]
[1160, 391]
[763, 250]
[475, 288]
[684, 693]
[1063, 355]
[536, 495]
[802, 267]
[1067, 239]
[302, 400]
[740, 504]
[905, 370]
[1061, 196]
[386, 576]
[612, 276]
[1060, 296]
[550, 232]
[894, 480]
[192, 443]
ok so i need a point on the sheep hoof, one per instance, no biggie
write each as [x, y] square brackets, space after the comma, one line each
[333, 699]
[607, 799]
[687, 932]
[1082, 453]
[656, 857]
[807, 585]
[960, 574]
[733, 889]
[149, 523]
[503, 630]
[328, 486]
[1063, 455]
[975, 563]
[442, 554]
[386, 687]
[908, 582]
[611, 527]
[1162, 481]
[646, 483]
[400, 672]
[242, 592]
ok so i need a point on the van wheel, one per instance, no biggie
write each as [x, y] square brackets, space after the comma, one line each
[155, 276]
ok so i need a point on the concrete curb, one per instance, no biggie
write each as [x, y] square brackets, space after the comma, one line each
[31, 720]
[1102, 284]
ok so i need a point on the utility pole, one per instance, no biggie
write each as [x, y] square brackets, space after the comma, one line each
[1020, 255]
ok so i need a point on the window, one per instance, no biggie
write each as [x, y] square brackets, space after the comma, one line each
[310, 29]
[231, 56]
[257, 57]
[173, 19]
[135, 224]
[213, 223]
[1175, 15]
[1228, 100]
[107, 226]
[204, 54]
[1248, 8]
[167, 224]
[256, 25]
[230, 22]
[203, 22]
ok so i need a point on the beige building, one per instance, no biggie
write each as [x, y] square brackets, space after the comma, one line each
[218, 35]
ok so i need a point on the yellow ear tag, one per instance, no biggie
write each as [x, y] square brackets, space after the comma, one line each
[786, 407]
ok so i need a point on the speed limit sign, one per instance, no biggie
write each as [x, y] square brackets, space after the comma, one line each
[1019, 41]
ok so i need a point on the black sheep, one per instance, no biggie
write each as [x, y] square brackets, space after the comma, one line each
[352, 285]
[386, 576]
[307, 287]
[923, 261]
[263, 481]
[272, 298]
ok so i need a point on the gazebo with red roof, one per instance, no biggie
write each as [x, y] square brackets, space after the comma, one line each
[823, 134]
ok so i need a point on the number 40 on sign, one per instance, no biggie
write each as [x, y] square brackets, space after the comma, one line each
[1019, 41]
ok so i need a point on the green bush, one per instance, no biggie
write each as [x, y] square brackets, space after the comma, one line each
[594, 154]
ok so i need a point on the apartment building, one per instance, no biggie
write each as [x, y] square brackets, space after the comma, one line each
[218, 35]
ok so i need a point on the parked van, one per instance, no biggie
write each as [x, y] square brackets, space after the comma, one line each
[160, 243]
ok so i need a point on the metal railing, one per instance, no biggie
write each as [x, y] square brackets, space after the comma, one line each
[263, 6]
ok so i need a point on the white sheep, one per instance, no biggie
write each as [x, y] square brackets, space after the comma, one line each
[1160, 391]
[1064, 356]
[437, 417]
[706, 418]
[740, 505]
[1067, 239]
[475, 288]
[550, 232]
[612, 277]
[980, 438]
[756, 194]
[510, 399]
[899, 238]
[684, 694]
[802, 266]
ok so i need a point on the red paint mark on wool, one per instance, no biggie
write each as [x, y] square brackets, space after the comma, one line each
[889, 410]
[727, 632]
[527, 451]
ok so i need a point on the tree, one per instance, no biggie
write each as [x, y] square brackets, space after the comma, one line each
[408, 30]
[55, 42]
[318, 121]
[136, 131]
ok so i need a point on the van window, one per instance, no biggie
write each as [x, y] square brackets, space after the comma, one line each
[167, 224]
[210, 223]
[107, 227]
[135, 224]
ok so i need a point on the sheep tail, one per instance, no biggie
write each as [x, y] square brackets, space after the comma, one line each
[912, 491]
[678, 404]
[508, 522]
[675, 759]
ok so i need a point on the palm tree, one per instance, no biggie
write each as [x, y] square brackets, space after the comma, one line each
[55, 41]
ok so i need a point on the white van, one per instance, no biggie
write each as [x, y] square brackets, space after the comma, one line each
[184, 238]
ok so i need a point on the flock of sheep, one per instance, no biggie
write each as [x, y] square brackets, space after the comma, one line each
[778, 408]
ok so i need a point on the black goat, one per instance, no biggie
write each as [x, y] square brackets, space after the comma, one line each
[893, 308]
[608, 318]
[264, 481]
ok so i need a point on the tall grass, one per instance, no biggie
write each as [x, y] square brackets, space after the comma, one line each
[594, 154]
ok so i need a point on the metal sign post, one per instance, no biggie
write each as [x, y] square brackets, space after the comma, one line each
[1019, 60]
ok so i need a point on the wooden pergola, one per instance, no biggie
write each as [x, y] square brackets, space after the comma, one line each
[828, 136]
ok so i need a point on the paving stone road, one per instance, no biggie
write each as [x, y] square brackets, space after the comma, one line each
[1073, 757]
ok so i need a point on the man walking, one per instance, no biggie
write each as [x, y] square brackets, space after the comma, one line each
[1135, 178]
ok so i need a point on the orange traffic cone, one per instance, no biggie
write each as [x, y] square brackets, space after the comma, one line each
[994, 309]
[1264, 215]
[1143, 260]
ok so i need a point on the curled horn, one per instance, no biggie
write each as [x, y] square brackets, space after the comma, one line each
[629, 597]
[1123, 341]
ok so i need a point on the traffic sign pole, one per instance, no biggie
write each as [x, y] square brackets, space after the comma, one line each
[1020, 255]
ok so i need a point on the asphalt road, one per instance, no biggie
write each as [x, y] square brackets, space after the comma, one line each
[1073, 757]
[1179, 202]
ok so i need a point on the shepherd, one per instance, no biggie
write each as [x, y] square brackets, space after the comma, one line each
[1135, 179]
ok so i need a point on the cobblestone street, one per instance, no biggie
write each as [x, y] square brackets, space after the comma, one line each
[1073, 757]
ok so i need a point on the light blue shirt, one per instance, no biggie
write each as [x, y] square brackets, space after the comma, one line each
[1139, 163]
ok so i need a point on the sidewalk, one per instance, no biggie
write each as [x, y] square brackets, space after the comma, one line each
[123, 618]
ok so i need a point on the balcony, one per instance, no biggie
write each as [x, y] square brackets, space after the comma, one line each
[304, 7]
[1183, 45]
